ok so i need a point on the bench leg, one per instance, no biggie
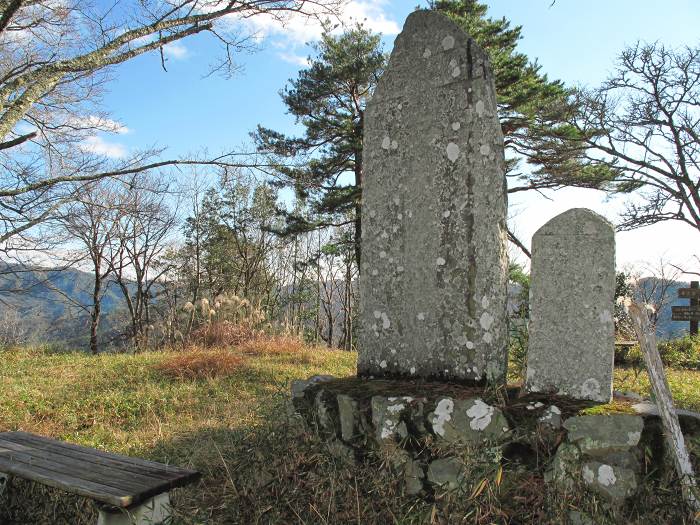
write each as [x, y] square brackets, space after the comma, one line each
[154, 511]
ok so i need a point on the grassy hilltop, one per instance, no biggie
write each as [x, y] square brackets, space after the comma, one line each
[223, 412]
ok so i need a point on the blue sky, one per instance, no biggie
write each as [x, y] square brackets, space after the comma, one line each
[574, 41]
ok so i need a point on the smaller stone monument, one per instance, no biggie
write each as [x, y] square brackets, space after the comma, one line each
[572, 335]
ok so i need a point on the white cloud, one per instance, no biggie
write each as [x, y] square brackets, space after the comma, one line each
[99, 146]
[176, 51]
[297, 60]
[298, 29]
[98, 122]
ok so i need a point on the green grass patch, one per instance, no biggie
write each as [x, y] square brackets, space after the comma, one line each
[223, 414]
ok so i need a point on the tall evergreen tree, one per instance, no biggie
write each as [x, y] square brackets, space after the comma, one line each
[534, 111]
[328, 98]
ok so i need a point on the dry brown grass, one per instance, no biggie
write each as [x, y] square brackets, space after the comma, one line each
[200, 364]
[218, 334]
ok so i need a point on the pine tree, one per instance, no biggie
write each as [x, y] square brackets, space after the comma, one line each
[534, 111]
[328, 99]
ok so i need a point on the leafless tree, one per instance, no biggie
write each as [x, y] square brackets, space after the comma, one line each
[652, 290]
[640, 133]
[92, 221]
[146, 223]
[55, 60]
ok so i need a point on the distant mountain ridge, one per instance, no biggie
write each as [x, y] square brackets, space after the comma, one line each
[48, 303]
[46, 300]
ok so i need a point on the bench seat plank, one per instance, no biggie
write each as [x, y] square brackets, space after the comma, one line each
[150, 469]
[117, 480]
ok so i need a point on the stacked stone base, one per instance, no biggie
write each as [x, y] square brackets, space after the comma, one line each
[433, 434]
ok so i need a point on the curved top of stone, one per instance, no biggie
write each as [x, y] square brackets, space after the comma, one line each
[577, 221]
[431, 36]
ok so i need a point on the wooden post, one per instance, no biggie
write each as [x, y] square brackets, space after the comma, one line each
[694, 302]
[664, 401]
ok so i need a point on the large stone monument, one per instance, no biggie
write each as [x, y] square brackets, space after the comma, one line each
[572, 283]
[434, 263]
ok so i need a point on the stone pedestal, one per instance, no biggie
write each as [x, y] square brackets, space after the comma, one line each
[155, 511]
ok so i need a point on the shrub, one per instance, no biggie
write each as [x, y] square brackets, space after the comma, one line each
[517, 351]
[682, 352]
[220, 334]
[200, 364]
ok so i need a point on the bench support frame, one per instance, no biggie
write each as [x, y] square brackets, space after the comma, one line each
[154, 511]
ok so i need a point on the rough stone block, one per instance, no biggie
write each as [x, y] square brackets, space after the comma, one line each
[612, 481]
[348, 414]
[467, 421]
[389, 416]
[601, 434]
[571, 340]
[434, 264]
[447, 473]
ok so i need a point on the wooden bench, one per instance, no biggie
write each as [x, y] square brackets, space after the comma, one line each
[128, 490]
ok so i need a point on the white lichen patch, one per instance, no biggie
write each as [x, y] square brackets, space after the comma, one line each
[395, 409]
[456, 126]
[633, 438]
[386, 143]
[590, 389]
[385, 321]
[480, 414]
[487, 337]
[427, 53]
[388, 428]
[446, 213]
[375, 272]
[382, 364]
[486, 320]
[394, 144]
[456, 72]
[421, 316]
[485, 149]
[452, 151]
[485, 302]
[441, 415]
[588, 474]
[382, 254]
[470, 345]
[606, 475]
[412, 370]
[479, 107]
[440, 261]
[605, 317]
[448, 42]
[377, 314]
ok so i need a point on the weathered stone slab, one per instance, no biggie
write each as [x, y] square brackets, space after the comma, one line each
[434, 263]
[603, 433]
[467, 421]
[572, 283]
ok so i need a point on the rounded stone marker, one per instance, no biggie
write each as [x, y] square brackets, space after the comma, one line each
[572, 287]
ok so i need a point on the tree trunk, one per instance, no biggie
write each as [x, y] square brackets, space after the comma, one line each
[95, 314]
[664, 401]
